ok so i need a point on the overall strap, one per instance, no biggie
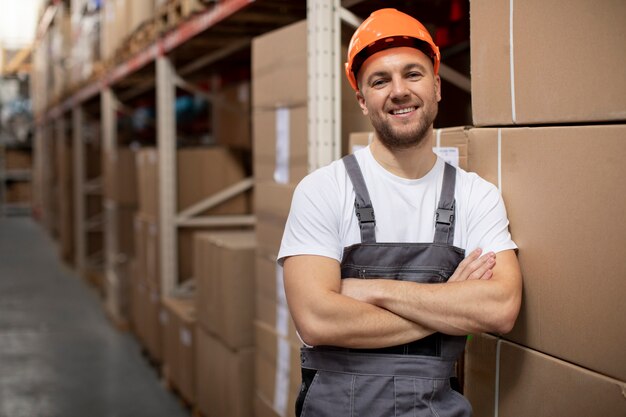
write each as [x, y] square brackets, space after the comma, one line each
[362, 203]
[444, 219]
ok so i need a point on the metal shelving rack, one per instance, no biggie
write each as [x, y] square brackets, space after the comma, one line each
[163, 67]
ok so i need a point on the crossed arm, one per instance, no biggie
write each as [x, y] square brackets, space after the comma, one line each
[483, 295]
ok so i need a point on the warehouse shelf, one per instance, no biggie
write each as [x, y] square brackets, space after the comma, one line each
[212, 43]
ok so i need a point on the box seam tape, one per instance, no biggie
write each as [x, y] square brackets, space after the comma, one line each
[500, 160]
[497, 387]
[512, 63]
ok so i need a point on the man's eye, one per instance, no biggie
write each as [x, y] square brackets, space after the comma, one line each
[378, 83]
[414, 75]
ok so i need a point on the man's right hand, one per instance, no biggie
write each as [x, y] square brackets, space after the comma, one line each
[475, 266]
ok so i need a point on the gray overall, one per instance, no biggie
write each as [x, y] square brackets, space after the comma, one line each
[411, 380]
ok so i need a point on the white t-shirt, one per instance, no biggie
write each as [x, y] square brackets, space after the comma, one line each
[322, 219]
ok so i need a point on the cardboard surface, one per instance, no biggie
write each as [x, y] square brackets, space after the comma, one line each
[533, 384]
[224, 378]
[550, 71]
[280, 144]
[271, 302]
[225, 286]
[120, 177]
[231, 116]
[178, 321]
[283, 66]
[205, 171]
[272, 204]
[16, 159]
[147, 181]
[277, 364]
[563, 190]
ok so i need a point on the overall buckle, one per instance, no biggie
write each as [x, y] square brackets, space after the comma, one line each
[365, 214]
[444, 216]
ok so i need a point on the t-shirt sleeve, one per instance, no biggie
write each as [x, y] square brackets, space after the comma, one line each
[313, 224]
[488, 224]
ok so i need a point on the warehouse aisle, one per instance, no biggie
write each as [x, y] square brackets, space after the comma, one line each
[59, 355]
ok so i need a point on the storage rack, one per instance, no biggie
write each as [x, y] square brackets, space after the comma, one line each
[170, 62]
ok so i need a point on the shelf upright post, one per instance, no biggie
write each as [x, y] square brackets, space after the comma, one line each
[166, 138]
[108, 104]
[324, 91]
[78, 121]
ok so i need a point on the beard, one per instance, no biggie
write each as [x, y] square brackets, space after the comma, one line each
[408, 136]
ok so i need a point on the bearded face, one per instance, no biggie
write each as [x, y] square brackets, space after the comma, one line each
[400, 93]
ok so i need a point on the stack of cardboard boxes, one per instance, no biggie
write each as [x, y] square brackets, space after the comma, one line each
[280, 161]
[224, 268]
[560, 68]
[120, 204]
[201, 172]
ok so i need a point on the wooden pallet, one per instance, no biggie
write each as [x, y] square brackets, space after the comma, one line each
[171, 14]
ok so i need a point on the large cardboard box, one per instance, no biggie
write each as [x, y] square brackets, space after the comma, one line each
[271, 302]
[449, 143]
[540, 62]
[120, 177]
[283, 66]
[225, 286]
[509, 380]
[203, 172]
[563, 188]
[231, 116]
[224, 378]
[280, 144]
[17, 160]
[277, 364]
[272, 204]
[178, 321]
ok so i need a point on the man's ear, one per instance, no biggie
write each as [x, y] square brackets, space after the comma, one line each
[361, 101]
[438, 87]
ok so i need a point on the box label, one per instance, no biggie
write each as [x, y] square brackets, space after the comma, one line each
[448, 154]
[281, 171]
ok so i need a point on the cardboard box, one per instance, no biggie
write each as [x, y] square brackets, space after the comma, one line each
[284, 66]
[271, 302]
[563, 191]
[232, 125]
[225, 286]
[203, 172]
[120, 233]
[224, 378]
[530, 383]
[17, 160]
[449, 143]
[178, 321]
[280, 144]
[544, 67]
[277, 364]
[148, 181]
[120, 177]
[272, 204]
[152, 321]
[18, 192]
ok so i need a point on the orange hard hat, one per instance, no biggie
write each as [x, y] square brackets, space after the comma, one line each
[387, 28]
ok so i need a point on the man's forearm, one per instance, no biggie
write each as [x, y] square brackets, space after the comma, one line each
[346, 322]
[455, 308]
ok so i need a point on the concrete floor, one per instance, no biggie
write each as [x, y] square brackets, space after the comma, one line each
[59, 354]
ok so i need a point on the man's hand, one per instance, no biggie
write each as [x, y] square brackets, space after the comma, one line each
[475, 266]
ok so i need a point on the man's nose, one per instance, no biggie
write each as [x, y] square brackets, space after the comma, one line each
[399, 88]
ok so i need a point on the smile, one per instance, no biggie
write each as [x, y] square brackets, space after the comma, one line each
[403, 111]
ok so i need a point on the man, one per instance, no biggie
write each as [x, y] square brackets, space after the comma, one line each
[375, 271]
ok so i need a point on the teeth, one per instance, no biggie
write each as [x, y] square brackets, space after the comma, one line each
[402, 111]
